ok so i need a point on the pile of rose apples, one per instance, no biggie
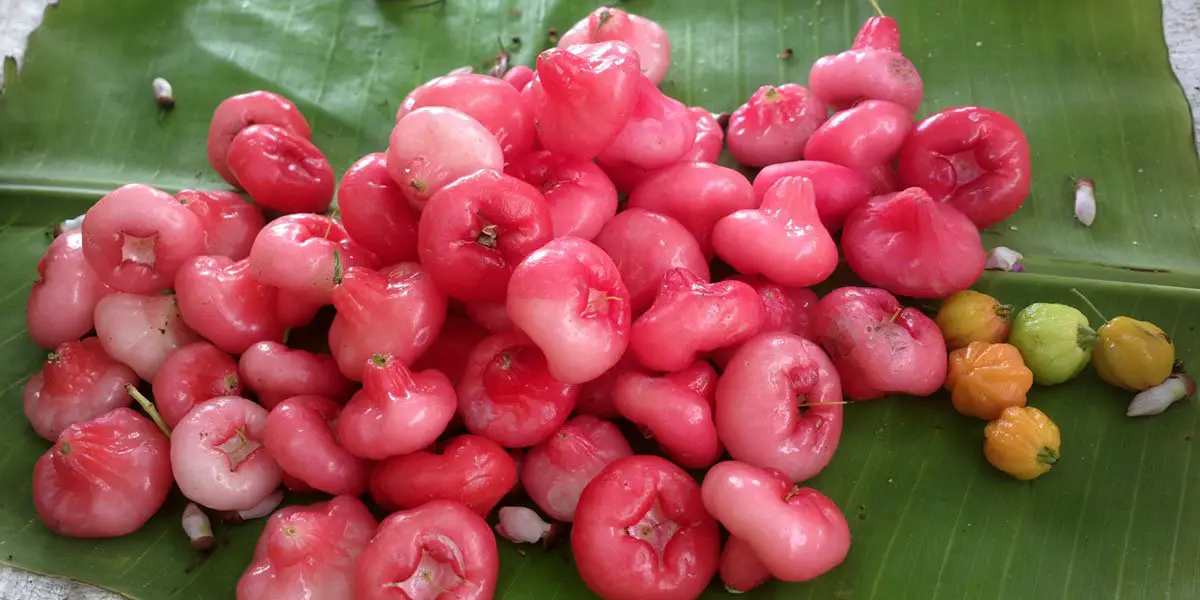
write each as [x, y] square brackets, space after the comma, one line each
[498, 308]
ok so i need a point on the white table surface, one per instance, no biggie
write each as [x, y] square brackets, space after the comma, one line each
[1181, 19]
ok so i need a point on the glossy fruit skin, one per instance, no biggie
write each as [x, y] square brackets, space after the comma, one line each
[697, 195]
[230, 222]
[970, 316]
[785, 309]
[580, 196]
[619, 546]
[222, 301]
[595, 396]
[469, 469]
[1055, 340]
[518, 76]
[474, 232]
[63, 299]
[491, 315]
[456, 339]
[375, 212]
[644, 245]
[910, 245]
[676, 409]
[660, 131]
[192, 375]
[508, 394]
[239, 112]
[837, 190]
[555, 472]
[397, 411]
[300, 436]
[309, 552]
[706, 148]
[134, 221]
[583, 95]
[607, 24]
[492, 102]
[798, 533]
[975, 159]
[275, 373]
[865, 138]
[1133, 355]
[1022, 442]
[435, 146]
[78, 383]
[878, 346]
[783, 239]
[690, 316]
[710, 137]
[741, 569]
[758, 402]
[442, 539]
[305, 254]
[984, 379]
[281, 170]
[103, 478]
[568, 297]
[397, 311]
[141, 331]
[774, 125]
[205, 473]
[873, 68]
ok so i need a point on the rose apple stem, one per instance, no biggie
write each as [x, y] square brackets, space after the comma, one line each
[1090, 305]
[148, 406]
[338, 274]
[875, 5]
[826, 403]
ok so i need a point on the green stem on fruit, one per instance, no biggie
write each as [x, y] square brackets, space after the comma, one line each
[1086, 337]
[875, 5]
[337, 268]
[380, 360]
[1103, 318]
[231, 382]
[826, 403]
[148, 406]
[1003, 311]
[895, 315]
[286, 334]
[1047, 456]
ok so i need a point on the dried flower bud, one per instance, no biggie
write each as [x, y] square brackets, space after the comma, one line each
[1004, 259]
[69, 225]
[1160, 397]
[198, 528]
[1085, 201]
[163, 94]
[521, 525]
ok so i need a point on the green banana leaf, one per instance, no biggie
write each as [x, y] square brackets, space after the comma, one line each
[1088, 80]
